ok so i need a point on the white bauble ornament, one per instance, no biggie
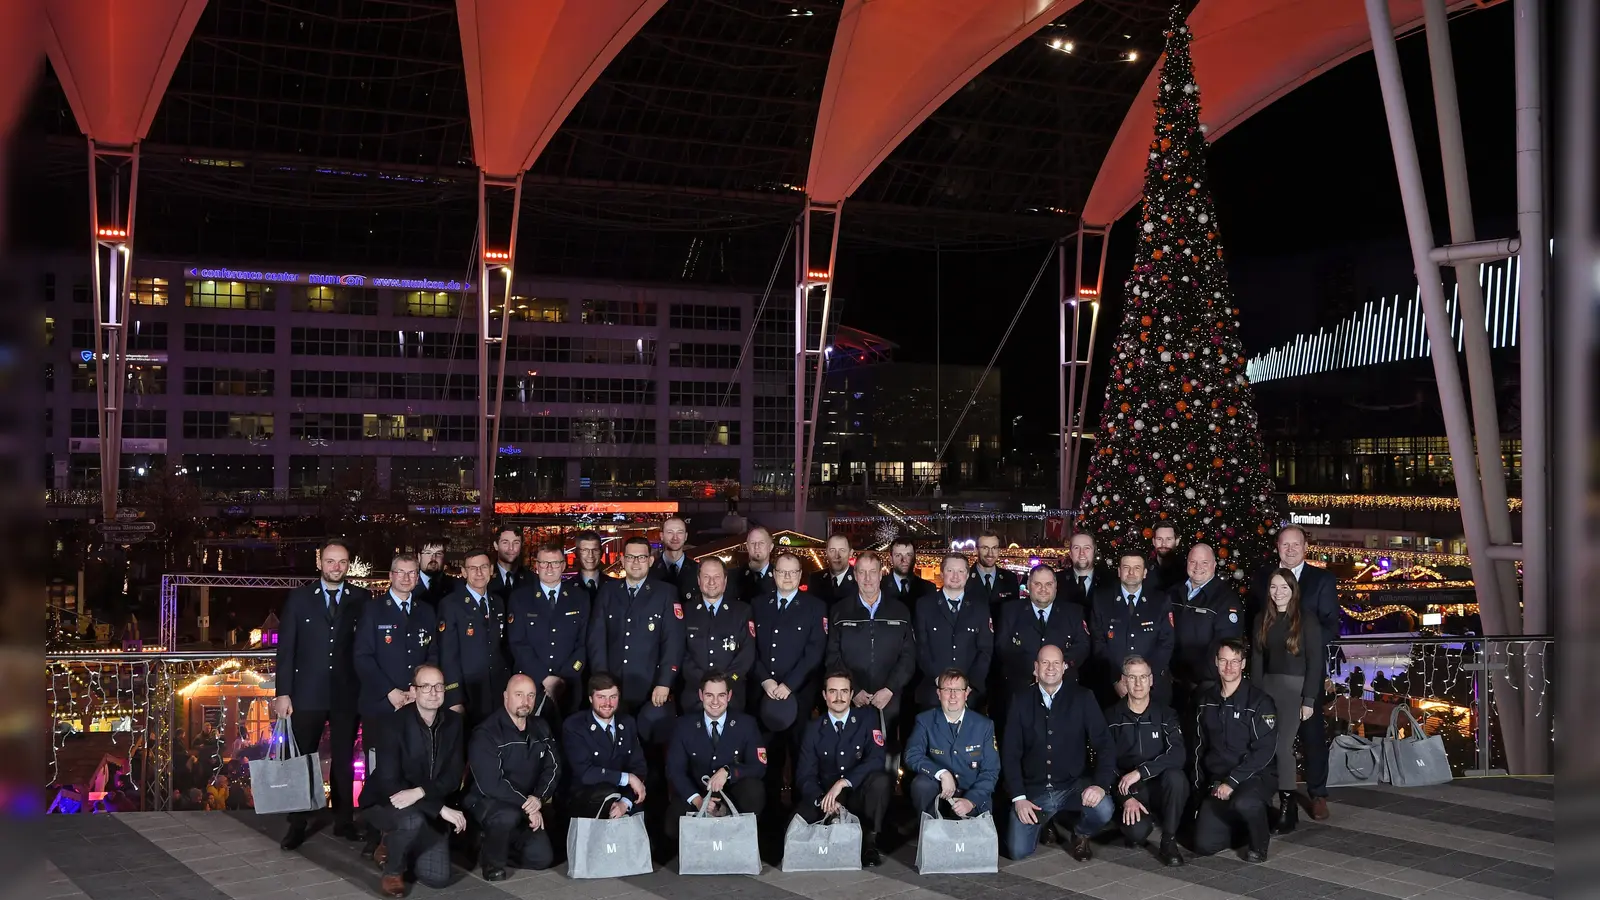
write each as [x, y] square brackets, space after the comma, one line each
[1138, 424]
[1149, 226]
[1204, 218]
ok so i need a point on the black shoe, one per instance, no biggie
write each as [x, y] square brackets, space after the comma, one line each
[1169, 854]
[1253, 855]
[870, 857]
[349, 831]
[295, 837]
[374, 838]
[494, 874]
[1081, 851]
[1288, 813]
[1047, 835]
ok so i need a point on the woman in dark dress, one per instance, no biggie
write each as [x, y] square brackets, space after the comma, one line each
[1286, 659]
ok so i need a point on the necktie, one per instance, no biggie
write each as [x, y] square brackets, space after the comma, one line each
[712, 609]
[589, 583]
[955, 607]
[611, 733]
[551, 596]
[331, 599]
[900, 585]
[1131, 599]
[405, 607]
[1083, 583]
[1042, 621]
[633, 591]
[988, 582]
[716, 733]
[483, 607]
[838, 727]
[783, 604]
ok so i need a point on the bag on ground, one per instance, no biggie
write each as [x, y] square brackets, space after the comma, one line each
[608, 848]
[957, 846]
[1356, 761]
[832, 845]
[718, 845]
[1418, 759]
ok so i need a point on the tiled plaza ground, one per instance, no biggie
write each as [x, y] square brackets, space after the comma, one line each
[1484, 839]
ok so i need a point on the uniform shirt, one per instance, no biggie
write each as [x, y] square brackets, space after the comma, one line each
[596, 756]
[1019, 635]
[1236, 735]
[548, 638]
[390, 644]
[1120, 629]
[718, 634]
[472, 648]
[830, 588]
[791, 638]
[639, 638]
[963, 640]
[691, 757]
[316, 647]
[999, 585]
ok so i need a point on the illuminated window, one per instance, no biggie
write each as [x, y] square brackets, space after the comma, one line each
[49, 331]
[704, 432]
[329, 298]
[618, 312]
[535, 309]
[229, 295]
[431, 304]
[889, 472]
[380, 427]
[150, 291]
[926, 472]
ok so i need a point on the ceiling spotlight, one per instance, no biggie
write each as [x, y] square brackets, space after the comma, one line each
[1133, 56]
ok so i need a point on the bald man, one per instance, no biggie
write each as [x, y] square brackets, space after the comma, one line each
[515, 766]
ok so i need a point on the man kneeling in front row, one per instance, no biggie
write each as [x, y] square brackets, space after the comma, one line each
[841, 766]
[419, 764]
[1150, 755]
[953, 751]
[603, 750]
[514, 772]
[1235, 760]
[713, 755]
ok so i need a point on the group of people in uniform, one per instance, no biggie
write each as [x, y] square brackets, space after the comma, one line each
[504, 696]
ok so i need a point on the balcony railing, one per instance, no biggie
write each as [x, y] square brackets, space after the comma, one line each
[171, 722]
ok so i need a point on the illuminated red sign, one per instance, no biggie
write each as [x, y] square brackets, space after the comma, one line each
[587, 508]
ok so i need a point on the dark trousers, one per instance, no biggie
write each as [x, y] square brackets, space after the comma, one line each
[589, 801]
[1165, 797]
[307, 725]
[869, 802]
[483, 696]
[1314, 746]
[747, 794]
[783, 747]
[1215, 826]
[413, 837]
[508, 839]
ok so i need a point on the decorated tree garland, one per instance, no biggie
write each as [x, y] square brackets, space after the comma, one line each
[1178, 440]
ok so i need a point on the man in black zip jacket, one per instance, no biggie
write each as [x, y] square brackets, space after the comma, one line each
[419, 767]
[870, 636]
[515, 767]
[1234, 760]
[1150, 758]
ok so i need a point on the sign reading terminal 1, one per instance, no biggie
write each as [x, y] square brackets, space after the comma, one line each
[588, 508]
[324, 278]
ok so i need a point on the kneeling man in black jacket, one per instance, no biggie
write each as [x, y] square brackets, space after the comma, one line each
[514, 772]
[418, 767]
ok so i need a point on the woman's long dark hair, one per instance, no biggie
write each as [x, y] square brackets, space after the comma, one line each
[1270, 614]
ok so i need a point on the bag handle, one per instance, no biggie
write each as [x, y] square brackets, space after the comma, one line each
[701, 812]
[605, 803]
[1417, 733]
[283, 743]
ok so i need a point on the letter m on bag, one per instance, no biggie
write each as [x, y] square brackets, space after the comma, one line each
[961, 848]
[717, 846]
[611, 848]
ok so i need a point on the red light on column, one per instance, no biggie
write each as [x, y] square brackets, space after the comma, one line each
[112, 233]
[1088, 292]
[497, 255]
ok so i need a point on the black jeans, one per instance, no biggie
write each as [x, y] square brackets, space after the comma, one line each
[507, 838]
[747, 794]
[1165, 797]
[868, 801]
[412, 836]
[307, 725]
[1214, 828]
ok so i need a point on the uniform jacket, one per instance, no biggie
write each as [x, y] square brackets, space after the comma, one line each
[316, 648]
[472, 648]
[1005, 589]
[790, 644]
[880, 652]
[686, 577]
[1048, 749]
[389, 647]
[916, 588]
[690, 756]
[415, 755]
[1070, 590]
[639, 640]
[502, 586]
[1151, 741]
[824, 587]
[1119, 631]
[508, 765]
[1163, 574]
[549, 640]
[1215, 612]
[577, 580]
[725, 642]
[969, 752]
[749, 584]
[1018, 638]
[594, 758]
[964, 641]
[1235, 735]
[827, 756]
[438, 586]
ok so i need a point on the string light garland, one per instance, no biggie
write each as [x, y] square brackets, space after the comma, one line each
[1386, 501]
[1368, 556]
[1178, 441]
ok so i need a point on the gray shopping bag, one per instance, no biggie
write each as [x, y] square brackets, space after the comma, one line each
[832, 845]
[608, 848]
[957, 846]
[718, 845]
[1354, 761]
[286, 781]
[1418, 759]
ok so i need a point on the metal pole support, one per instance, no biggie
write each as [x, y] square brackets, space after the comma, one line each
[1480, 689]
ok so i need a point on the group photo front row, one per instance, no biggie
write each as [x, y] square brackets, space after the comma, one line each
[501, 713]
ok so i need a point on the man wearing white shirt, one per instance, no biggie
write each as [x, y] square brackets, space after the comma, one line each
[603, 754]
[715, 756]
[835, 581]
[841, 766]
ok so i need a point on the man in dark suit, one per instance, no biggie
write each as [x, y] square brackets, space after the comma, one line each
[588, 575]
[1318, 597]
[988, 577]
[396, 633]
[718, 636]
[901, 582]
[791, 638]
[1205, 610]
[637, 636]
[604, 755]
[472, 646]
[755, 579]
[954, 631]
[508, 569]
[548, 632]
[1166, 565]
[674, 566]
[1085, 576]
[717, 751]
[841, 766]
[1025, 628]
[437, 584]
[1130, 621]
[316, 678]
[836, 580]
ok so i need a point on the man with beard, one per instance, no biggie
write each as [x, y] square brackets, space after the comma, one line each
[900, 582]
[589, 575]
[1205, 610]
[999, 585]
[1025, 628]
[437, 584]
[1084, 577]
[417, 770]
[515, 768]
[718, 636]
[637, 636]
[673, 566]
[954, 631]
[841, 766]
[508, 569]
[316, 681]
[1166, 566]
[755, 580]
[472, 647]
[548, 631]
[604, 755]
[835, 581]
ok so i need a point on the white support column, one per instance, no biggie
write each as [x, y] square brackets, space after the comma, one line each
[492, 258]
[1529, 64]
[1082, 301]
[114, 235]
[808, 276]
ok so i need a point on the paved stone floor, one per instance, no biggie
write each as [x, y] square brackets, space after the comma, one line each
[1483, 839]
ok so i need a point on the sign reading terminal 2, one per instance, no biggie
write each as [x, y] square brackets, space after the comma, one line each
[415, 284]
[587, 508]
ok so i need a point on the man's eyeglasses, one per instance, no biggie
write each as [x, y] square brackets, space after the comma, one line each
[635, 557]
[551, 563]
[429, 688]
[1229, 663]
[795, 572]
[953, 691]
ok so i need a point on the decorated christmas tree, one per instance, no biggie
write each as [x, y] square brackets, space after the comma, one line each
[1178, 440]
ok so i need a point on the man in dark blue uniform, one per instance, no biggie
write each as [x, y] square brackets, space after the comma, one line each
[791, 636]
[755, 578]
[1050, 729]
[604, 755]
[1235, 771]
[1150, 760]
[316, 680]
[515, 767]
[954, 753]
[548, 632]
[472, 647]
[437, 583]
[954, 631]
[674, 566]
[988, 577]
[588, 575]
[717, 751]
[1023, 628]
[870, 636]
[1205, 610]
[1130, 621]
[718, 636]
[637, 636]
[508, 569]
[1166, 564]
[836, 580]
[1085, 577]
[841, 766]
[901, 582]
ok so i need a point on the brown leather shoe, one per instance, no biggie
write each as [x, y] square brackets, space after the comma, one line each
[381, 854]
[1319, 808]
[1081, 850]
[394, 885]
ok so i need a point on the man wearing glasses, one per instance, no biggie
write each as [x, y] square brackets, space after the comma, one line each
[791, 637]
[1234, 760]
[548, 631]
[1150, 758]
[718, 635]
[954, 753]
[472, 651]
[637, 637]
[589, 576]
[418, 768]
[436, 583]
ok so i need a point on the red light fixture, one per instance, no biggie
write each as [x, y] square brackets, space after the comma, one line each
[112, 233]
[818, 274]
[497, 255]
[1088, 292]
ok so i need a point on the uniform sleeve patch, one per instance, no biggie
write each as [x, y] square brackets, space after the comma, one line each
[877, 737]
[761, 754]
[1270, 719]
[1233, 616]
[1169, 619]
[752, 625]
[677, 610]
[441, 626]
